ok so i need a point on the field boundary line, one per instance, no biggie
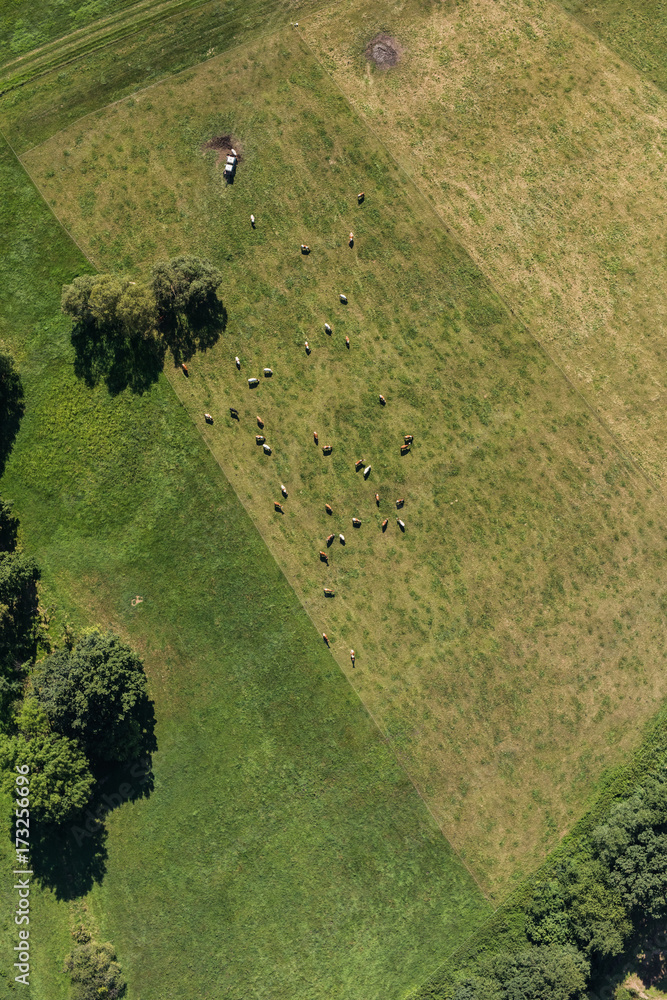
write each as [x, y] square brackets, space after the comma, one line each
[633, 462]
[43, 197]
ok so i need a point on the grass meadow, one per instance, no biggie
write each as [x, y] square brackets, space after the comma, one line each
[510, 642]
[283, 852]
[545, 155]
[636, 30]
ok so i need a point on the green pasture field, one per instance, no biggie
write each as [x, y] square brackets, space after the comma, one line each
[283, 852]
[510, 643]
[546, 157]
[637, 30]
[58, 82]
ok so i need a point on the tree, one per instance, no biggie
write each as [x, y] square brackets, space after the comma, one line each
[75, 299]
[60, 781]
[190, 313]
[97, 693]
[136, 311]
[632, 846]
[11, 406]
[559, 973]
[95, 973]
[18, 609]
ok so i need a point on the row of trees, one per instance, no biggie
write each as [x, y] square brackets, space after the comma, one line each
[582, 911]
[123, 328]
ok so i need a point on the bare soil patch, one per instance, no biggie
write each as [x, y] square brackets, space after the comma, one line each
[223, 145]
[384, 51]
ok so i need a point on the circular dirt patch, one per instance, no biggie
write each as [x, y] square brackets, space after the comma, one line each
[384, 51]
[223, 145]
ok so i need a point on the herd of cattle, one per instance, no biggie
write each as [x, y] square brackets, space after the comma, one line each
[326, 449]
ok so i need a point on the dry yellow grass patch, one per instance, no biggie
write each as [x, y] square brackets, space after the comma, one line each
[546, 156]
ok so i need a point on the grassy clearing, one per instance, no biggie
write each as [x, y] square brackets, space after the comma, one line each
[283, 852]
[637, 30]
[24, 26]
[56, 85]
[510, 643]
[547, 159]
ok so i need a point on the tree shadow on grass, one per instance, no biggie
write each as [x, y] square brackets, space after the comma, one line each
[135, 363]
[119, 362]
[12, 407]
[69, 859]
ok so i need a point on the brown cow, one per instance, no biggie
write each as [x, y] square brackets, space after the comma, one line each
[324, 558]
[356, 523]
[405, 448]
[259, 439]
[408, 439]
[330, 540]
[385, 523]
[383, 401]
[328, 593]
[399, 503]
[377, 499]
[357, 465]
[328, 509]
[185, 369]
[347, 343]
[260, 422]
[327, 449]
[360, 197]
[315, 438]
[278, 507]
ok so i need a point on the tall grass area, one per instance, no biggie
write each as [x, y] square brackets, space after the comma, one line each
[636, 30]
[510, 642]
[283, 852]
[546, 157]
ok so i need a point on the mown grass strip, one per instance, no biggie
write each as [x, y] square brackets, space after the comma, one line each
[282, 846]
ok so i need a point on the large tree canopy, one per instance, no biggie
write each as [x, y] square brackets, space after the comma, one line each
[18, 609]
[97, 693]
[60, 781]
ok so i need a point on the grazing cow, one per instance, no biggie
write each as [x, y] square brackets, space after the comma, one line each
[234, 413]
[341, 539]
[408, 438]
[252, 221]
[347, 343]
[328, 593]
[324, 558]
[405, 448]
[360, 197]
[352, 656]
[185, 369]
[326, 638]
[351, 240]
[328, 509]
[238, 362]
[327, 449]
[385, 523]
[315, 436]
[267, 450]
[343, 298]
[377, 499]
[330, 540]
[252, 382]
[305, 249]
[260, 422]
[259, 439]
[383, 401]
[327, 329]
[208, 418]
[283, 490]
[268, 372]
[367, 471]
[356, 523]
[307, 347]
[357, 465]
[278, 507]
[400, 523]
[399, 503]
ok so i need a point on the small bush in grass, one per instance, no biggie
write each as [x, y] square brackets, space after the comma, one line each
[95, 973]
